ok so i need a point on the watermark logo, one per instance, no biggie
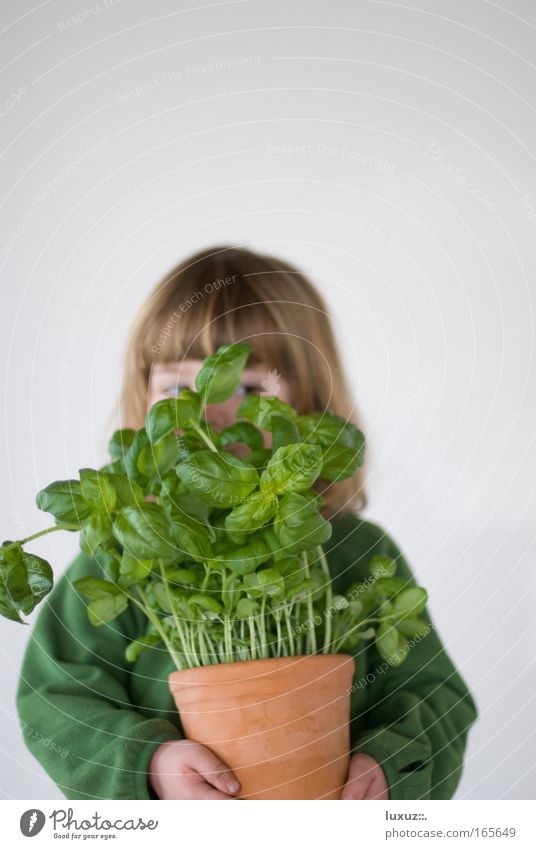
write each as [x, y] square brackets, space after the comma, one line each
[31, 822]
[271, 384]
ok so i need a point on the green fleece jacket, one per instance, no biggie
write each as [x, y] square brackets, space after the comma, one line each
[93, 720]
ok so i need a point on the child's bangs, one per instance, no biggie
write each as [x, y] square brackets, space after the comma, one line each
[200, 323]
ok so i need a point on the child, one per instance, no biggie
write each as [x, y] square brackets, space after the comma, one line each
[113, 728]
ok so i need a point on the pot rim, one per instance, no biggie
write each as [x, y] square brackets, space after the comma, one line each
[266, 665]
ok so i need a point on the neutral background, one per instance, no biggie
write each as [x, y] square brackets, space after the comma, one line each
[141, 132]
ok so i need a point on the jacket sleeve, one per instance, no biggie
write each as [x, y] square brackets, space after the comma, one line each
[417, 715]
[74, 704]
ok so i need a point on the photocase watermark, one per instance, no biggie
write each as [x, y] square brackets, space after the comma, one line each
[65, 368]
[530, 209]
[12, 100]
[66, 826]
[32, 733]
[16, 520]
[384, 666]
[517, 518]
[65, 819]
[52, 185]
[87, 13]
[339, 603]
[438, 155]
[374, 232]
[167, 78]
[505, 440]
[356, 157]
[183, 308]
[32, 822]
[416, 396]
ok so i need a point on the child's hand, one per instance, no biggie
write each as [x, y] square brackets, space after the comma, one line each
[182, 769]
[366, 779]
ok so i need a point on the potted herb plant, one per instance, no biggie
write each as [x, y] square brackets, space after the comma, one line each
[224, 555]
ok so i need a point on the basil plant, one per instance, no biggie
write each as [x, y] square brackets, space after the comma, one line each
[222, 553]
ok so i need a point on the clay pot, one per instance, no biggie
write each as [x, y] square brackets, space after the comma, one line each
[281, 724]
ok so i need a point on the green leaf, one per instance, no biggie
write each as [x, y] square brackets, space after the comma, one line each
[355, 637]
[95, 530]
[257, 509]
[355, 608]
[179, 577]
[246, 607]
[134, 473]
[243, 559]
[230, 591]
[413, 627]
[25, 580]
[104, 609]
[391, 644]
[128, 493]
[340, 462]
[221, 481]
[95, 588]
[97, 491]
[145, 532]
[342, 443]
[137, 647]
[120, 442]
[299, 590]
[206, 602]
[292, 468]
[219, 376]
[259, 409]
[327, 428]
[243, 432]
[170, 414]
[267, 582]
[134, 568]
[299, 525]
[391, 586]
[177, 501]
[382, 566]
[154, 461]
[191, 538]
[284, 431]
[410, 602]
[63, 499]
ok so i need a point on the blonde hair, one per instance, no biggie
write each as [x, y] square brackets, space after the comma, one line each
[226, 294]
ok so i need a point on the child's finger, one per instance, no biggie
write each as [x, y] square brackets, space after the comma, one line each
[203, 790]
[214, 770]
[356, 789]
[376, 790]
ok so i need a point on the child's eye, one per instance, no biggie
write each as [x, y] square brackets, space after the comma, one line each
[248, 388]
[176, 389]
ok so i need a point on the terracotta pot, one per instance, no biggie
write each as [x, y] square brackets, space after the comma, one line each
[281, 724]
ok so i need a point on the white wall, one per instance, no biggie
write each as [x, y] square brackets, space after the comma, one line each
[414, 209]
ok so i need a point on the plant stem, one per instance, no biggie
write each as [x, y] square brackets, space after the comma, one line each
[329, 600]
[363, 622]
[252, 638]
[202, 645]
[185, 646]
[289, 630]
[205, 437]
[62, 527]
[311, 630]
[277, 618]
[154, 619]
[228, 641]
[262, 629]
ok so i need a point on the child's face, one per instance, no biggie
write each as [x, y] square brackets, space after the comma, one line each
[167, 380]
